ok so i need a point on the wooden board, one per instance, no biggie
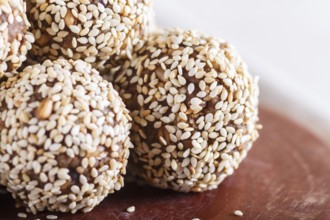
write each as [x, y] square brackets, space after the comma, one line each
[286, 176]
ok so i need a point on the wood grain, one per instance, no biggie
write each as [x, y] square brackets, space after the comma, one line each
[286, 176]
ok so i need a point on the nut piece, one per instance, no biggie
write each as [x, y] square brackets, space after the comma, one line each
[69, 18]
[45, 109]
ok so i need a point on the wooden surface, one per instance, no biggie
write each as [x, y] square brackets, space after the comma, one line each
[286, 176]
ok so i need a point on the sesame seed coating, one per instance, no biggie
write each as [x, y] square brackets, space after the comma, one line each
[89, 30]
[64, 137]
[15, 40]
[194, 107]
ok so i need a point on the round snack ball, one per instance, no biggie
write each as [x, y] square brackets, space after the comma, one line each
[64, 137]
[15, 40]
[194, 107]
[90, 30]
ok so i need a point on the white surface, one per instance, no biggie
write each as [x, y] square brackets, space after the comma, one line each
[287, 43]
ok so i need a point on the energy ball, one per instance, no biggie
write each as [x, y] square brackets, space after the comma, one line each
[15, 40]
[90, 30]
[194, 107]
[64, 137]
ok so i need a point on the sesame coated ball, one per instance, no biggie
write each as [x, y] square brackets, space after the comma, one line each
[194, 107]
[64, 137]
[15, 40]
[90, 30]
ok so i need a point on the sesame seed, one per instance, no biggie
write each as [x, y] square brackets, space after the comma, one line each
[51, 217]
[174, 165]
[191, 88]
[131, 209]
[186, 135]
[238, 213]
[22, 215]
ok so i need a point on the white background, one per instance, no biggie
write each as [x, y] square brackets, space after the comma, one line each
[287, 43]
